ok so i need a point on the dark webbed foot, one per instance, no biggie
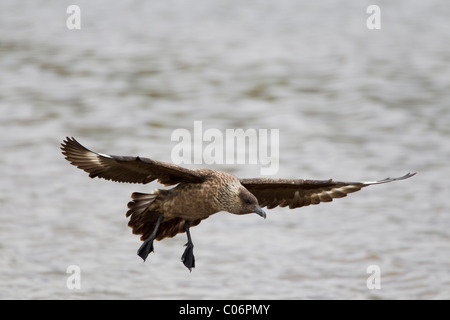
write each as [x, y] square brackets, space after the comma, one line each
[147, 246]
[188, 254]
[145, 249]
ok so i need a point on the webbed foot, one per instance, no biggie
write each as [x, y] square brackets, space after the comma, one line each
[188, 256]
[145, 249]
[147, 246]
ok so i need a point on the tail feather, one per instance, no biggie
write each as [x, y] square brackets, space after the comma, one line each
[143, 212]
[141, 217]
[143, 196]
[141, 201]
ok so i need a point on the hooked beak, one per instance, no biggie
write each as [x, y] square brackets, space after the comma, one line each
[259, 211]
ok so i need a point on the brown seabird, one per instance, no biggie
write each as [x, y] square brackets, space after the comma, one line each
[198, 193]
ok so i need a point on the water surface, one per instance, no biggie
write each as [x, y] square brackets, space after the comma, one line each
[350, 104]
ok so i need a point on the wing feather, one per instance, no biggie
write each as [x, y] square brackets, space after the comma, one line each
[126, 169]
[297, 193]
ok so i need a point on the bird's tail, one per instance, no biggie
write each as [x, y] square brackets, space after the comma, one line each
[142, 217]
[144, 210]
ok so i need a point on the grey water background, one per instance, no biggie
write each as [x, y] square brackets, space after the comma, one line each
[351, 104]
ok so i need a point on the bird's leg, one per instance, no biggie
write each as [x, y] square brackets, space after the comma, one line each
[147, 246]
[188, 255]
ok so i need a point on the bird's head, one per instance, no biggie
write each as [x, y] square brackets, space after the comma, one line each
[245, 202]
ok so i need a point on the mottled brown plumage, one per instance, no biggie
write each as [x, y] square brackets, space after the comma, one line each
[198, 193]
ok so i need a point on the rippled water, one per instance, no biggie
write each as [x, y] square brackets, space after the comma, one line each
[350, 103]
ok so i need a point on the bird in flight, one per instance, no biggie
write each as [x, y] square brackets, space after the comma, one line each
[198, 193]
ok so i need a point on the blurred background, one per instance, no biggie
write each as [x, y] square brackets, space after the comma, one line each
[350, 103]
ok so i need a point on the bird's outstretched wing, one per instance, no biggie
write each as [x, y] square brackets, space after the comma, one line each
[299, 193]
[126, 169]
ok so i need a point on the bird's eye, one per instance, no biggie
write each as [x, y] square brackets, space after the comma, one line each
[248, 202]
